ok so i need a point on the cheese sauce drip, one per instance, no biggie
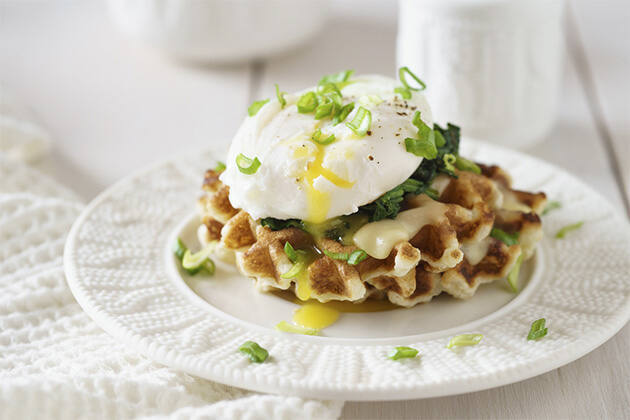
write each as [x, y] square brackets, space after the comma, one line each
[379, 238]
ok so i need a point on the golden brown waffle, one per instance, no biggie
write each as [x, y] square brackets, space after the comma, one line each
[453, 253]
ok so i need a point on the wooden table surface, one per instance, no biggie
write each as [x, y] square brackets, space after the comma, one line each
[113, 107]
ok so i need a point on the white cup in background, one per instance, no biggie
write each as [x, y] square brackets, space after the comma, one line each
[219, 31]
[492, 67]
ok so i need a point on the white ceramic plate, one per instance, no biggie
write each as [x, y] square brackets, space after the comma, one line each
[120, 268]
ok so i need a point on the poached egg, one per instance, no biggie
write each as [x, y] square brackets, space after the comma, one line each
[301, 179]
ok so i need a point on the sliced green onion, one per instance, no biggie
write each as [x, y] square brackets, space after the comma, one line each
[439, 138]
[563, 232]
[512, 277]
[325, 108]
[195, 262]
[404, 92]
[329, 89]
[464, 340]
[317, 138]
[370, 100]
[252, 350]
[357, 256]
[297, 268]
[340, 77]
[246, 165]
[179, 249]
[537, 330]
[307, 103]
[507, 238]
[449, 160]
[464, 164]
[336, 255]
[424, 145]
[280, 96]
[403, 353]
[553, 205]
[255, 107]
[220, 167]
[342, 113]
[361, 122]
[290, 251]
[208, 266]
[284, 326]
[403, 79]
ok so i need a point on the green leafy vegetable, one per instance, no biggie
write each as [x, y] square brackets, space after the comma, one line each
[255, 107]
[284, 326]
[220, 167]
[402, 75]
[512, 277]
[278, 224]
[464, 340]
[307, 103]
[553, 205]
[538, 330]
[403, 352]
[507, 238]
[290, 252]
[464, 164]
[247, 165]
[424, 145]
[563, 232]
[361, 122]
[252, 350]
[280, 96]
[357, 256]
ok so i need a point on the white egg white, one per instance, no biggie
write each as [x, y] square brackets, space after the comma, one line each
[353, 170]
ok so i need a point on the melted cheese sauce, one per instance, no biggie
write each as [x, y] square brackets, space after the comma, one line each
[379, 238]
[476, 251]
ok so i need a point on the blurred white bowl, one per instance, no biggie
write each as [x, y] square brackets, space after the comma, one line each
[219, 31]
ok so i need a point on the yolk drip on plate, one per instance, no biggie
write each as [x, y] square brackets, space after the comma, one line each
[315, 315]
[319, 201]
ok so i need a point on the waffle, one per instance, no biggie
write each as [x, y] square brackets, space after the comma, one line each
[453, 253]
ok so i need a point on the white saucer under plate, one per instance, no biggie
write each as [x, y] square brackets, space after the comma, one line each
[120, 268]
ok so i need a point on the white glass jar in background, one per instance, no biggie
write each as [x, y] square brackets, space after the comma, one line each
[219, 31]
[493, 67]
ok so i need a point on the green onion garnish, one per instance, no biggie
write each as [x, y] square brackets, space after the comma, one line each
[280, 96]
[255, 107]
[424, 145]
[317, 138]
[325, 108]
[464, 340]
[179, 249]
[220, 167]
[357, 256]
[255, 353]
[298, 265]
[507, 238]
[290, 251]
[195, 262]
[246, 165]
[336, 255]
[537, 330]
[563, 232]
[340, 77]
[512, 277]
[464, 164]
[553, 205]
[403, 91]
[403, 79]
[449, 160]
[361, 122]
[342, 113]
[307, 103]
[403, 353]
[284, 326]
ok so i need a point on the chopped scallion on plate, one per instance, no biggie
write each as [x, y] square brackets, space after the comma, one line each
[512, 277]
[507, 238]
[290, 252]
[253, 350]
[464, 340]
[403, 352]
[552, 205]
[284, 326]
[569, 228]
[537, 330]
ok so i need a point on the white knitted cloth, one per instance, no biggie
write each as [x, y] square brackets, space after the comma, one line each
[56, 363]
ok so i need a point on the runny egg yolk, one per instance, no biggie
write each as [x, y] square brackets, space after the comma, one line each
[318, 202]
[315, 315]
